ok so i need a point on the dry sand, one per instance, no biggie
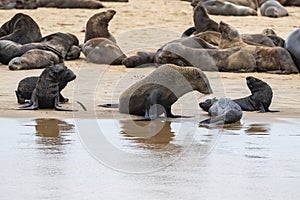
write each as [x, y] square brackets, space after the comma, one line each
[146, 25]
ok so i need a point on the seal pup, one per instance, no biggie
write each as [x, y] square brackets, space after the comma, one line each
[270, 33]
[260, 98]
[46, 93]
[89, 4]
[21, 28]
[65, 43]
[273, 8]
[28, 84]
[97, 26]
[292, 44]
[223, 111]
[216, 7]
[34, 59]
[157, 92]
[102, 51]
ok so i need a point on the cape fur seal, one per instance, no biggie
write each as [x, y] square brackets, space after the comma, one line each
[34, 59]
[291, 3]
[259, 100]
[21, 29]
[97, 26]
[102, 51]
[216, 7]
[202, 21]
[222, 111]
[65, 43]
[248, 3]
[156, 93]
[28, 84]
[90, 4]
[46, 93]
[272, 8]
[292, 44]
[10, 50]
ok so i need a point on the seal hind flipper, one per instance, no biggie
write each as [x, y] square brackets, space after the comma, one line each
[109, 105]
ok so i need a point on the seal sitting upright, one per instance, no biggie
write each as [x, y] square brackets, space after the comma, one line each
[156, 93]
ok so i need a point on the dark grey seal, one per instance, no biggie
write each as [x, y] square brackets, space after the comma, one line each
[46, 93]
[292, 44]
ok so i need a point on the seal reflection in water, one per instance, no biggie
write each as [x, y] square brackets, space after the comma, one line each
[52, 134]
[155, 135]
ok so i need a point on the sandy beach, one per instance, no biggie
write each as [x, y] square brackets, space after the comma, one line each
[145, 25]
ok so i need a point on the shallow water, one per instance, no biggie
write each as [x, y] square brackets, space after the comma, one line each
[123, 159]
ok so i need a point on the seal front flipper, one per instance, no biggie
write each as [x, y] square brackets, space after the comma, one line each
[31, 106]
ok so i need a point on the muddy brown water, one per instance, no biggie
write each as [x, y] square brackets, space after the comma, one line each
[53, 159]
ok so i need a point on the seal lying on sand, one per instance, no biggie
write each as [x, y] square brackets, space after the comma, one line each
[28, 84]
[102, 51]
[247, 3]
[215, 7]
[236, 56]
[46, 92]
[156, 93]
[34, 59]
[97, 26]
[273, 8]
[222, 111]
[91, 4]
[65, 43]
[10, 50]
[259, 100]
[292, 44]
[291, 3]
[21, 29]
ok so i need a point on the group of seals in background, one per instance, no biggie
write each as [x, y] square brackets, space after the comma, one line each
[34, 4]
[269, 8]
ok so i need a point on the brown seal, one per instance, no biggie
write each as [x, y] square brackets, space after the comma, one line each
[90, 4]
[21, 29]
[34, 59]
[291, 3]
[102, 51]
[46, 92]
[97, 26]
[156, 93]
[202, 21]
[65, 43]
[28, 84]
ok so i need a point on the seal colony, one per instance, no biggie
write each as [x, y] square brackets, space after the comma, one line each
[213, 47]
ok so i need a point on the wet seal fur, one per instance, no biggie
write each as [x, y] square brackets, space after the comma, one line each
[28, 84]
[292, 44]
[223, 111]
[156, 93]
[259, 100]
[46, 93]
[21, 28]
[97, 26]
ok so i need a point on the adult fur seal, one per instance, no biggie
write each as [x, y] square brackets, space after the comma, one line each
[46, 93]
[97, 26]
[90, 4]
[247, 3]
[156, 93]
[291, 3]
[259, 100]
[292, 44]
[216, 7]
[102, 51]
[21, 29]
[272, 8]
[223, 111]
[202, 21]
[65, 43]
[34, 59]
[10, 50]
[28, 84]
